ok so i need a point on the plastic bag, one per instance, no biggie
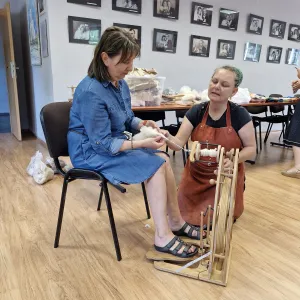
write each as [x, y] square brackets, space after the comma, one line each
[34, 159]
[50, 163]
[42, 173]
[242, 96]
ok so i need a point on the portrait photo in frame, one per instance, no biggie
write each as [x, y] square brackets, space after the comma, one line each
[199, 46]
[164, 40]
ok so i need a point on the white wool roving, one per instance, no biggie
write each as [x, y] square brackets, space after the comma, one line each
[147, 132]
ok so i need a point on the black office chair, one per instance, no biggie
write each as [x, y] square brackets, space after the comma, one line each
[255, 110]
[274, 118]
[55, 122]
[152, 115]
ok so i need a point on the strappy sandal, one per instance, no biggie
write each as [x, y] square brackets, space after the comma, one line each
[189, 234]
[295, 174]
[184, 254]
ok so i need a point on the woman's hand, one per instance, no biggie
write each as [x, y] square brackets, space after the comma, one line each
[152, 124]
[296, 85]
[166, 133]
[228, 164]
[153, 143]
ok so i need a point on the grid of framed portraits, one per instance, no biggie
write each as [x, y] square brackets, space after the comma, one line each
[199, 46]
[255, 24]
[86, 2]
[166, 9]
[252, 52]
[135, 31]
[226, 49]
[164, 40]
[292, 56]
[131, 6]
[294, 33]
[201, 14]
[84, 31]
[274, 55]
[277, 29]
[228, 19]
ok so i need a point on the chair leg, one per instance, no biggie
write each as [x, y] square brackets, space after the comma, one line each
[183, 156]
[268, 132]
[146, 200]
[167, 148]
[260, 136]
[111, 220]
[61, 211]
[256, 140]
[174, 153]
[100, 198]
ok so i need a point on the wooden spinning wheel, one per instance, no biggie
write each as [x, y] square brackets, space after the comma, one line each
[212, 264]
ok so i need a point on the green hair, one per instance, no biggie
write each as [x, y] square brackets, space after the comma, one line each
[238, 74]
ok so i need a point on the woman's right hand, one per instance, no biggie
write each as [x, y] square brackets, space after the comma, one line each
[153, 143]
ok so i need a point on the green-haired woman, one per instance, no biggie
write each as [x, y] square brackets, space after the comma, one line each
[218, 121]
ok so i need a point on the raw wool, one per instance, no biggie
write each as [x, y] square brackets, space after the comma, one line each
[147, 132]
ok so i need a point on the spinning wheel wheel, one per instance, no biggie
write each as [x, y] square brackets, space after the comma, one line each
[213, 263]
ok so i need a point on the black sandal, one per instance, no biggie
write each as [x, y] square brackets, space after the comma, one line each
[189, 234]
[185, 253]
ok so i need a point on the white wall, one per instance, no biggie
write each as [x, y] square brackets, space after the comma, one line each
[4, 104]
[70, 61]
[38, 79]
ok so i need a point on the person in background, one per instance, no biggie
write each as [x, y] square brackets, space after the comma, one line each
[100, 114]
[220, 122]
[292, 136]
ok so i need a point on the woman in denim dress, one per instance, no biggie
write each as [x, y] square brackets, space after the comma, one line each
[100, 114]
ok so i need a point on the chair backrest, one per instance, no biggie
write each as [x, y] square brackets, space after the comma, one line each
[149, 115]
[181, 113]
[255, 110]
[55, 122]
[276, 108]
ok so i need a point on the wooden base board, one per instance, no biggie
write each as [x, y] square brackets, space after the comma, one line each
[152, 254]
[200, 272]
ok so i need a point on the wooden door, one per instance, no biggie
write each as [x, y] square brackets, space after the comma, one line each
[11, 73]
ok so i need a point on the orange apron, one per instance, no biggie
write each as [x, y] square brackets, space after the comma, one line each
[195, 192]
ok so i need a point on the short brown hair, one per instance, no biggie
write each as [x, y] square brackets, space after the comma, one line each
[114, 41]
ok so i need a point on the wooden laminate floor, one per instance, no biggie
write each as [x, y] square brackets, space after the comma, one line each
[266, 239]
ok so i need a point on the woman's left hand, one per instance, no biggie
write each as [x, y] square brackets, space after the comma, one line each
[152, 124]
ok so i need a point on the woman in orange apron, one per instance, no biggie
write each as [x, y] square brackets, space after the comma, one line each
[216, 122]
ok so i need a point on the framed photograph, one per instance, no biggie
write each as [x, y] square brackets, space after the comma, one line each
[255, 24]
[294, 33]
[229, 19]
[252, 52]
[84, 31]
[166, 9]
[199, 46]
[277, 29]
[135, 31]
[131, 6]
[274, 55]
[164, 40]
[44, 39]
[34, 33]
[42, 7]
[292, 56]
[226, 49]
[201, 14]
[86, 2]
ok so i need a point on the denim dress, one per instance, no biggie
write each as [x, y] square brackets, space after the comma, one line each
[99, 115]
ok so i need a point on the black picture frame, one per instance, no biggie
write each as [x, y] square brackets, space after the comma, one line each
[277, 29]
[274, 54]
[164, 40]
[229, 19]
[252, 52]
[95, 3]
[201, 14]
[294, 33]
[199, 50]
[84, 31]
[136, 30]
[255, 24]
[226, 49]
[168, 9]
[292, 56]
[130, 6]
